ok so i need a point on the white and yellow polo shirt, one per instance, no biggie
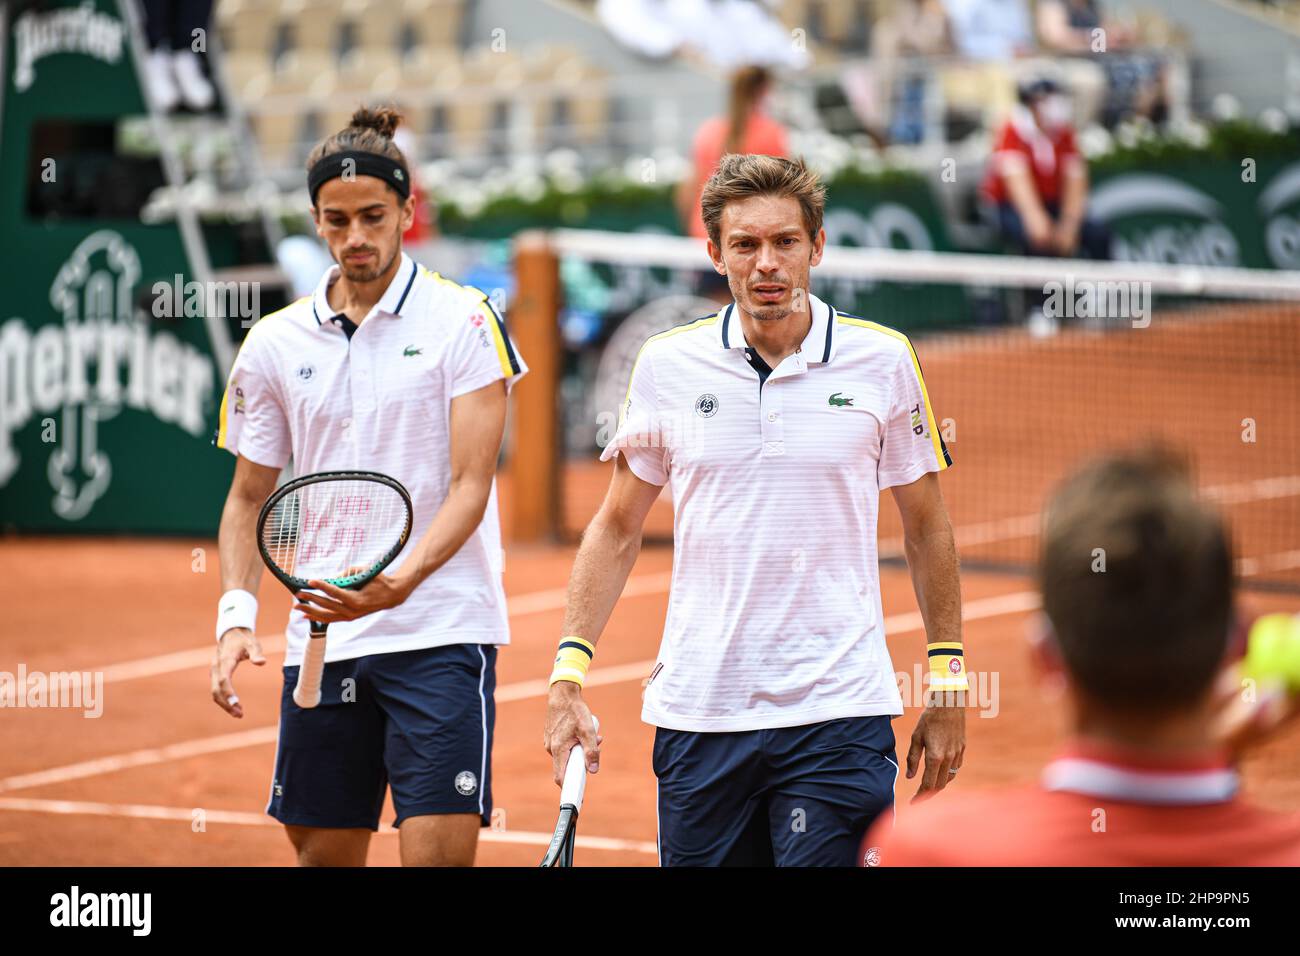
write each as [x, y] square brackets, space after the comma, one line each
[774, 616]
[377, 396]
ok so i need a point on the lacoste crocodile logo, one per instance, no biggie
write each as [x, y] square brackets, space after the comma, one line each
[412, 350]
[839, 400]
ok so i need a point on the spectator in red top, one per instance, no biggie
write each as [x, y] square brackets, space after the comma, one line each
[1137, 648]
[745, 129]
[1038, 180]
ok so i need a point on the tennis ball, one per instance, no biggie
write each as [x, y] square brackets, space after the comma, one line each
[1273, 651]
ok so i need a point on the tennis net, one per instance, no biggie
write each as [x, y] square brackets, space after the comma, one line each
[1032, 366]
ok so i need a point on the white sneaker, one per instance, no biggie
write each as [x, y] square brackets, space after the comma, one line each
[158, 77]
[194, 86]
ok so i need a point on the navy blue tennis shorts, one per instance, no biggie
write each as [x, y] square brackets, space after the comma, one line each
[790, 796]
[419, 721]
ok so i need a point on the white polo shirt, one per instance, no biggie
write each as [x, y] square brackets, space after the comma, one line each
[774, 615]
[381, 402]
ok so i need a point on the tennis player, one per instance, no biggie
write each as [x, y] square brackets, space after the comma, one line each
[776, 421]
[1146, 778]
[389, 368]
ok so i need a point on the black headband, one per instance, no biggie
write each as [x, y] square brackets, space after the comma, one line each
[361, 164]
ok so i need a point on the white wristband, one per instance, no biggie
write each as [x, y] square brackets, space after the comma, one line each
[236, 608]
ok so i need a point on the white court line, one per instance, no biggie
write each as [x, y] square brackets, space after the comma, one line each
[239, 818]
[982, 608]
[1282, 561]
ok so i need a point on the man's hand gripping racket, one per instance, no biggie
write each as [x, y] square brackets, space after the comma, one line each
[340, 527]
[560, 851]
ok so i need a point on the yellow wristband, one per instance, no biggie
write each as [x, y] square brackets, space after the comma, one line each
[947, 666]
[572, 660]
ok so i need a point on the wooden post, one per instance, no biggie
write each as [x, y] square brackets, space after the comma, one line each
[534, 460]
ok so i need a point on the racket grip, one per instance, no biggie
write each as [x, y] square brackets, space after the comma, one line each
[575, 773]
[307, 694]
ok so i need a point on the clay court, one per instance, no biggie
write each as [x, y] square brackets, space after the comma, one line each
[126, 788]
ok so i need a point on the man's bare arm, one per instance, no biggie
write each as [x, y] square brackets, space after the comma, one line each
[241, 564]
[940, 733]
[605, 558]
[1024, 197]
[241, 569]
[608, 551]
[931, 556]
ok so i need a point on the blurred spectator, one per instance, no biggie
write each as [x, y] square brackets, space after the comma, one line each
[989, 34]
[1108, 83]
[745, 129]
[1136, 653]
[727, 33]
[1037, 179]
[888, 92]
[997, 30]
[423, 227]
[173, 71]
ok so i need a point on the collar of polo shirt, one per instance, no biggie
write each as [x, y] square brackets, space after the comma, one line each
[818, 345]
[390, 303]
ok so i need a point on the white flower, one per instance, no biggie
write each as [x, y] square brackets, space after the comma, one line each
[1274, 120]
[1225, 106]
[1095, 141]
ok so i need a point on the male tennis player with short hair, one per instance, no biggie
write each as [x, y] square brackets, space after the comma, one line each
[1146, 778]
[777, 421]
[387, 368]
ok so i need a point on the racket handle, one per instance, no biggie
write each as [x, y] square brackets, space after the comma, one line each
[575, 773]
[307, 694]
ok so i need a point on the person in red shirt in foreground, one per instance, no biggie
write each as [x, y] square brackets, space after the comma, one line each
[1138, 649]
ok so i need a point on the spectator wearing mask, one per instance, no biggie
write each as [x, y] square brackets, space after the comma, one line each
[1037, 181]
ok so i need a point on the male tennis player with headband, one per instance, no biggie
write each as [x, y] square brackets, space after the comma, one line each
[388, 368]
[777, 422]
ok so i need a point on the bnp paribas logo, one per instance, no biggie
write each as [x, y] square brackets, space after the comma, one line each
[70, 376]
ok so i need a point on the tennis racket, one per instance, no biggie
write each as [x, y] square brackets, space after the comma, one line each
[343, 527]
[560, 852]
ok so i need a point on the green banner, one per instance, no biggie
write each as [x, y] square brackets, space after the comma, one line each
[107, 402]
[1205, 212]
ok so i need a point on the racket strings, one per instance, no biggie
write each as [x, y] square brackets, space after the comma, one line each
[334, 529]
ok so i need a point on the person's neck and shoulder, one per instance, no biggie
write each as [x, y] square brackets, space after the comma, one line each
[1098, 803]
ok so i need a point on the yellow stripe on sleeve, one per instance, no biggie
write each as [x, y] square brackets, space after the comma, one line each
[940, 454]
